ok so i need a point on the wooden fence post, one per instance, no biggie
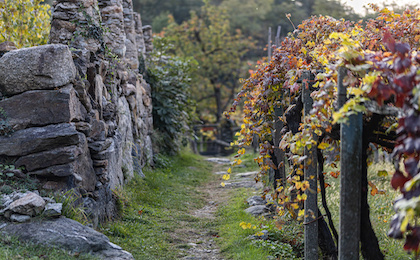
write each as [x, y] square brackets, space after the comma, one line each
[269, 44]
[279, 153]
[310, 172]
[351, 169]
[277, 39]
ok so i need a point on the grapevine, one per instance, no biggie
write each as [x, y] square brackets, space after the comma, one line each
[383, 82]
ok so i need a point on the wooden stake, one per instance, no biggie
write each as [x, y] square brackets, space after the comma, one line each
[310, 171]
[350, 179]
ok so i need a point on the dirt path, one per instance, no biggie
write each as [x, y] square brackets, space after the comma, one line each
[201, 243]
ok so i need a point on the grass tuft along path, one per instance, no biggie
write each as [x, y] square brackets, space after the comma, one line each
[180, 211]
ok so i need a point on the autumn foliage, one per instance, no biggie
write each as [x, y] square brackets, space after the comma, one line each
[382, 70]
[26, 23]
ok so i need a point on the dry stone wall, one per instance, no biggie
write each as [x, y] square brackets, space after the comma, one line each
[79, 114]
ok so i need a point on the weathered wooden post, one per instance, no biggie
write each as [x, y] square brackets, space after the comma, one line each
[269, 44]
[277, 39]
[351, 169]
[280, 173]
[310, 172]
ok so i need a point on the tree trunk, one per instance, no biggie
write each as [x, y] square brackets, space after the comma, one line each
[325, 240]
[218, 98]
[369, 241]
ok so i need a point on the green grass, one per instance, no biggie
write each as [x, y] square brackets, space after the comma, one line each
[157, 206]
[235, 242]
[12, 249]
[381, 210]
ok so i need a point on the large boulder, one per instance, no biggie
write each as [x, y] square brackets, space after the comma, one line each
[37, 139]
[66, 234]
[43, 107]
[42, 67]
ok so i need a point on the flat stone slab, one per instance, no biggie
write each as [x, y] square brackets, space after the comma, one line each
[218, 160]
[43, 107]
[257, 210]
[66, 234]
[256, 200]
[37, 139]
[41, 67]
[246, 174]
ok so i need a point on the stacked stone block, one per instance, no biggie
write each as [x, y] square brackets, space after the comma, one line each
[80, 112]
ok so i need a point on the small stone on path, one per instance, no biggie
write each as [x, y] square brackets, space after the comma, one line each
[218, 160]
[256, 200]
[257, 210]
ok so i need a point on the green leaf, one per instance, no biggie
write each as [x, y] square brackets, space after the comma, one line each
[382, 173]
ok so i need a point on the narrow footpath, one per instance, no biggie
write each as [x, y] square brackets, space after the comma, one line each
[201, 241]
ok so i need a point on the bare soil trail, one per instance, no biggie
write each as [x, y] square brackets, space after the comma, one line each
[198, 239]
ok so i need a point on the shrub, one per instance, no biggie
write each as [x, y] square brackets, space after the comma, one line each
[173, 108]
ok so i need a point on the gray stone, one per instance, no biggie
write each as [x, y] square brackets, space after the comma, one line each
[37, 139]
[218, 160]
[99, 89]
[45, 159]
[63, 170]
[66, 234]
[19, 218]
[42, 67]
[7, 199]
[80, 170]
[256, 200]
[257, 210]
[63, 27]
[114, 174]
[99, 146]
[125, 129]
[137, 163]
[138, 27]
[247, 174]
[81, 90]
[31, 204]
[148, 150]
[54, 185]
[83, 127]
[98, 130]
[53, 209]
[48, 200]
[112, 16]
[43, 107]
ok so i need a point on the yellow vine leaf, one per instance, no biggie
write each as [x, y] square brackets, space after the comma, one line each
[301, 213]
[323, 146]
[356, 91]
[226, 177]
[222, 184]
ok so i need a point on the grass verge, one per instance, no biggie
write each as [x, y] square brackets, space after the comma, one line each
[381, 207]
[236, 240]
[156, 206]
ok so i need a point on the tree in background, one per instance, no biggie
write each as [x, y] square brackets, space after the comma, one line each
[26, 23]
[208, 38]
[156, 12]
